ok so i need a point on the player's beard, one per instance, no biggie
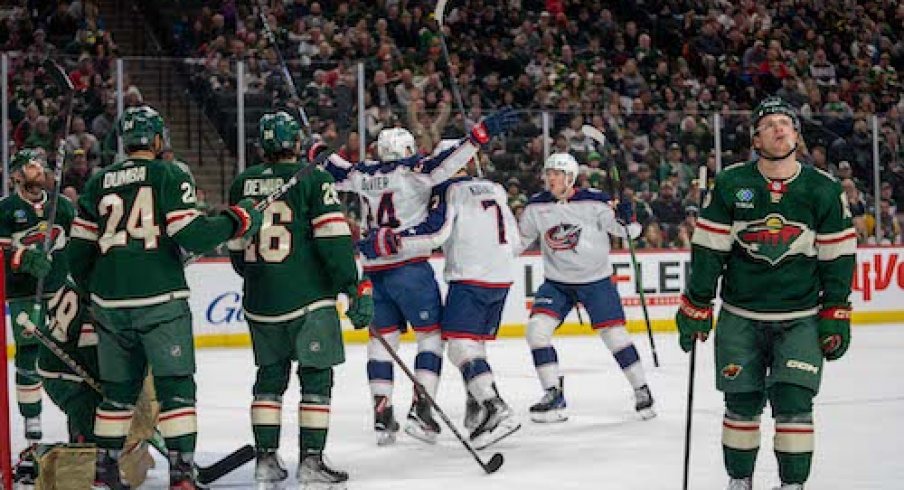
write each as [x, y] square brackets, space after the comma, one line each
[35, 184]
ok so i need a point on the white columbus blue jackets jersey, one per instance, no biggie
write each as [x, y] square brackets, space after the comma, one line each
[397, 194]
[573, 234]
[471, 219]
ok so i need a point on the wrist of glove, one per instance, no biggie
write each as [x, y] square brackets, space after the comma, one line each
[247, 219]
[493, 125]
[834, 329]
[361, 304]
[318, 152]
[31, 261]
[380, 242]
[694, 322]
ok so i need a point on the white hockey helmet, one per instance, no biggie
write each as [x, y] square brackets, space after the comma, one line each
[564, 162]
[395, 144]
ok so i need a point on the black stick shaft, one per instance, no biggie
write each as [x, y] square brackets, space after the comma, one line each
[421, 392]
[688, 415]
[638, 280]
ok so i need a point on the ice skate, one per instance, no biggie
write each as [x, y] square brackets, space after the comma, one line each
[644, 402]
[498, 423]
[473, 413]
[421, 424]
[106, 473]
[25, 473]
[550, 408]
[182, 472]
[33, 433]
[385, 423]
[740, 484]
[269, 471]
[315, 474]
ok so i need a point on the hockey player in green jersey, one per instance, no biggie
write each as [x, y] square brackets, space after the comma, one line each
[23, 226]
[133, 218]
[779, 235]
[293, 269]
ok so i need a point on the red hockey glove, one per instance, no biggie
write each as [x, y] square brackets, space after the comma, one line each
[834, 329]
[694, 322]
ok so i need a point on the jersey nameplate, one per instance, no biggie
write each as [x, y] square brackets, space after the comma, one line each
[125, 177]
[262, 187]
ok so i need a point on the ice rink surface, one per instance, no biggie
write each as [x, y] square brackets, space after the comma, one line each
[859, 418]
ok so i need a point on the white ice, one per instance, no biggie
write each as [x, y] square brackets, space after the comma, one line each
[859, 422]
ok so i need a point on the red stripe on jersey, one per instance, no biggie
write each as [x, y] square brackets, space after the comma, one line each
[328, 221]
[386, 267]
[179, 216]
[850, 236]
[181, 413]
[713, 229]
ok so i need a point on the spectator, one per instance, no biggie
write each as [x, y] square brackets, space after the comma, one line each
[668, 210]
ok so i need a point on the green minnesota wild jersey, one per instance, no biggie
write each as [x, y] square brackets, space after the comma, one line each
[71, 327]
[781, 248]
[303, 255]
[131, 212]
[23, 225]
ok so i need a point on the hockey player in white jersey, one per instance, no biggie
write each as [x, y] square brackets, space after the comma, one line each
[396, 193]
[573, 227]
[471, 219]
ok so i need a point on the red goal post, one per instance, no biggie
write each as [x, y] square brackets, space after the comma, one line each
[6, 457]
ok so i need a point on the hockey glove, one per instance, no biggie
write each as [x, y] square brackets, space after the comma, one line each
[318, 152]
[361, 304]
[380, 242]
[31, 261]
[247, 218]
[834, 329]
[493, 125]
[694, 322]
[624, 211]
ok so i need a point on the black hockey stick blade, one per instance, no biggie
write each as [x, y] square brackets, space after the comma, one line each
[494, 463]
[226, 465]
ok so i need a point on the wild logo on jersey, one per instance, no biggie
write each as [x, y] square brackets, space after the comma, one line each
[563, 236]
[772, 238]
[36, 234]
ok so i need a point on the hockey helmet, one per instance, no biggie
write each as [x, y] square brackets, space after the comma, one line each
[278, 132]
[564, 162]
[395, 144]
[139, 125]
[773, 105]
[27, 155]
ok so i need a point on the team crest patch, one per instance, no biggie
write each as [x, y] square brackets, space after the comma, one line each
[771, 239]
[732, 371]
[36, 234]
[563, 237]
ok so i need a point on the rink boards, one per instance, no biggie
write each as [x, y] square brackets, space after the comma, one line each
[877, 296]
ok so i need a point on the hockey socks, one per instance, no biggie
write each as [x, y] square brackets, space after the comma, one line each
[619, 343]
[28, 383]
[266, 409]
[314, 409]
[177, 421]
[741, 432]
[379, 364]
[428, 363]
[792, 407]
[540, 328]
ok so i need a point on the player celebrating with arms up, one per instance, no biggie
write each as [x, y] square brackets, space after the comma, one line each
[779, 235]
[574, 227]
[471, 220]
[396, 192]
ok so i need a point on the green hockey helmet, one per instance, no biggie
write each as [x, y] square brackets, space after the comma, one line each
[773, 105]
[138, 126]
[28, 155]
[278, 132]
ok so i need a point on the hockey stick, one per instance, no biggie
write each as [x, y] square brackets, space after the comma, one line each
[59, 75]
[600, 138]
[286, 74]
[494, 462]
[439, 15]
[693, 366]
[206, 474]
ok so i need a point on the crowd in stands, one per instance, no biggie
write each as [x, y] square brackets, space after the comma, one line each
[71, 34]
[650, 78]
